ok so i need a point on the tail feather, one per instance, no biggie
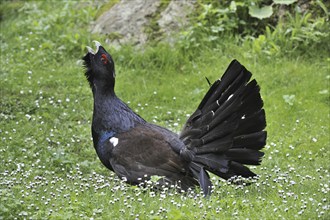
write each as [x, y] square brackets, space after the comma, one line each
[226, 131]
[203, 120]
[244, 156]
[217, 146]
[251, 124]
[220, 86]
[190, 133]
[203, 177]
[221, 130]
[233, 75]
[237, 169]
[228, 96]
[252, 101]
[213, 161]
[226, 111]
[236, 86]
[254, 141]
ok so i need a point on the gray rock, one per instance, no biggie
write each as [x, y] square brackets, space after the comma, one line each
[175, 17]
[126, 22]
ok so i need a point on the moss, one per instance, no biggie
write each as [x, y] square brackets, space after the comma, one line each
[114, 36]
[153, 30]
[106, 7]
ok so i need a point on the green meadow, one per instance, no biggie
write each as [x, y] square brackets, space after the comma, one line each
[49, 168]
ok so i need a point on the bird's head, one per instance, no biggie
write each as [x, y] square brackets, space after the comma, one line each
[100, 68]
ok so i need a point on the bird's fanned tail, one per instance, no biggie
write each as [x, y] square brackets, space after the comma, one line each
[226, 131]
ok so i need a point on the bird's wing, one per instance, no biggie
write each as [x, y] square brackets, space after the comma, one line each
[144, 151]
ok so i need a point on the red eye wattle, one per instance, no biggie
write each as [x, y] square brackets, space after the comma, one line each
[104, 59]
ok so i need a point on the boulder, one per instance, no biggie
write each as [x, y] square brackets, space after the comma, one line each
[130, 21]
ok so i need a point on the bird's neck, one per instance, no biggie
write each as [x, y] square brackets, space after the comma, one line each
[104, 114]
[103, 89]
[112, 114]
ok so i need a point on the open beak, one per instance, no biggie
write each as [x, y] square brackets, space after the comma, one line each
[97, 44]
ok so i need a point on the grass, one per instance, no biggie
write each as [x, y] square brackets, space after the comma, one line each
[50, 170]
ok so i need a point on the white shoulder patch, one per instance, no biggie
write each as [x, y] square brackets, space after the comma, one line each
[114, 141]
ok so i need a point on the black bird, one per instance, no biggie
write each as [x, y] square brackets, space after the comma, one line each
[225, 133]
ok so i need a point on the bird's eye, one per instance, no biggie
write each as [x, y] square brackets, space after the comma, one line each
[104, 59]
